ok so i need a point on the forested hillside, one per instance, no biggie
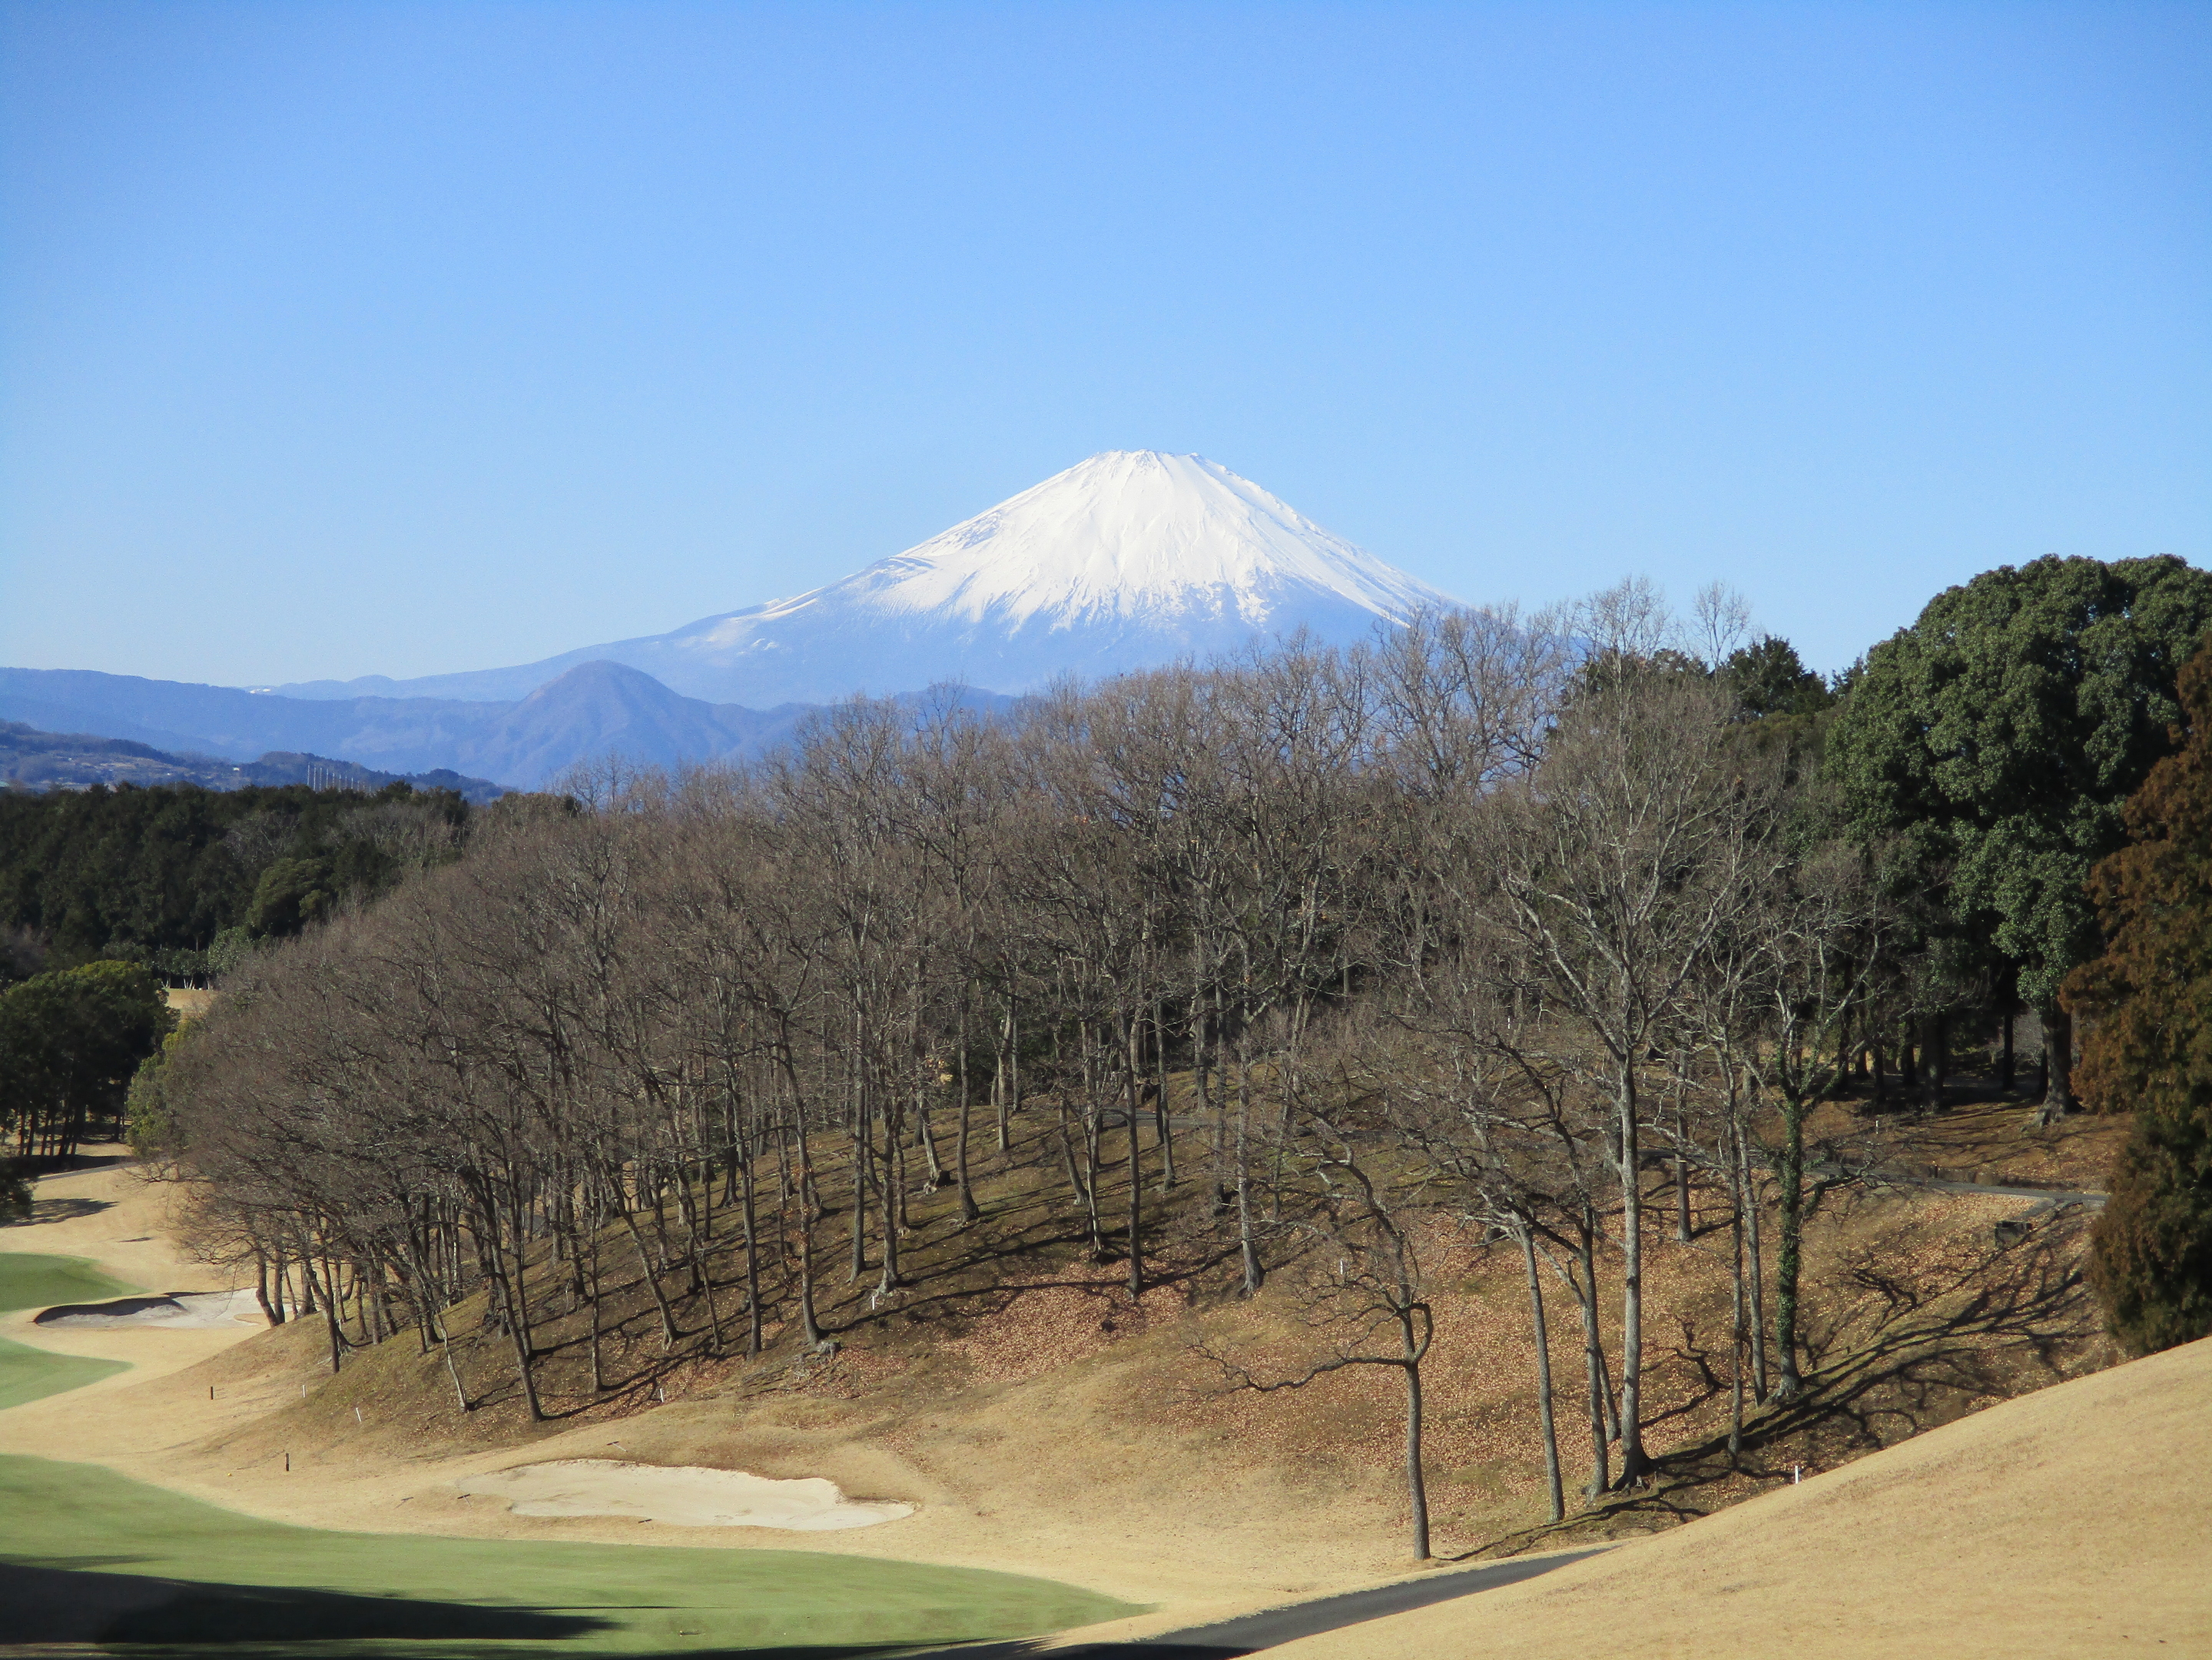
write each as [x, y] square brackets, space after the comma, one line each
[160, 875]
[1301, 978]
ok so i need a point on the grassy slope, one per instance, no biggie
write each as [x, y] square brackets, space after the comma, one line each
[1012, 1370]
[2073, 1521]
[32, 1282]
[256, 1581]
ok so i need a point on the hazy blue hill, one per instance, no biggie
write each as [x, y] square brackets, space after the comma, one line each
[35, 760]
[594, 710]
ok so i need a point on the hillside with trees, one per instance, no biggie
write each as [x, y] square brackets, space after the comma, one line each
[1541, 955]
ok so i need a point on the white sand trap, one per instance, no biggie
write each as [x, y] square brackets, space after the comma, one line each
[178, 1311]
[687, 1496]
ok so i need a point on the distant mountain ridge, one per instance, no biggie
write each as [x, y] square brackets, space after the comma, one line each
[39, 761]
[1128, 560]
[593, 710]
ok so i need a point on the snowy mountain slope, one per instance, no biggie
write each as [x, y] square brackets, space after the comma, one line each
[1129, 559]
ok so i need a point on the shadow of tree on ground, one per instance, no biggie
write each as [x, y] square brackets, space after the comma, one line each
[1907, 1359]
[49, 1603]
[56, 1210]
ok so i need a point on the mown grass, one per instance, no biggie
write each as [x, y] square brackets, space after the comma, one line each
[36, 1282]
[99, 1546]
[29, 1281]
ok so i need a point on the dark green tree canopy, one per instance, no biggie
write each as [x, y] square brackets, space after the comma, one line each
[70, 1042]
[292, 893]
[156, 874]
[1768, 677]
[1995, 741]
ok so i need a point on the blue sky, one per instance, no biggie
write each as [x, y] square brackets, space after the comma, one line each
[338, 339]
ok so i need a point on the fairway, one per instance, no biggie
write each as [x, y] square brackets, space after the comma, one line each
[37, 1282]
[82, 1551]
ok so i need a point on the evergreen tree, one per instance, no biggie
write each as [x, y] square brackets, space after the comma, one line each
[70, 1043]
[2148, 1043]
[1991, 747]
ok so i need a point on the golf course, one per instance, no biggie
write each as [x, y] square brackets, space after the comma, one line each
[88, 1554]
[27, 1281]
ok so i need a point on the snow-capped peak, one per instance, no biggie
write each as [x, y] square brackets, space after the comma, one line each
[1129, 560]
[1128, 536]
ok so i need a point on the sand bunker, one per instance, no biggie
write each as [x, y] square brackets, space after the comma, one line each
[687, 1496]
[178, 1311]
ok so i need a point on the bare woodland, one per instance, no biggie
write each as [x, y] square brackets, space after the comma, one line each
[1496, 929]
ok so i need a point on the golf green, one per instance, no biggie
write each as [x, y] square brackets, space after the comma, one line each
[35, 1282]
[38, 1282]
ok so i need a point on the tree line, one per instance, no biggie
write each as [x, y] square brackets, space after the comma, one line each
[182, 879]
[1544, 932]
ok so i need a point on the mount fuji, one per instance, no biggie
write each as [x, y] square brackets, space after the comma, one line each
[1130, 559]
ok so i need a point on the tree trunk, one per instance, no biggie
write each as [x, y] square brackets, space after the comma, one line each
[808, 1325]
[2057, 1066]
[1162, 1127]
[1686, 1230]
[651, 1281]
[1791, 1181]
[1416, 1488]
[261, 1288]
[891, 1188]
[752, 1257]
[1552, 1487]
[1600, 1390]
[1131, 1064]
[1255, 1274]
[968, 1210]
[1735, 1322]
[1754, 1265]
[1633, 1462]
[591, 1269]
[864, 1158]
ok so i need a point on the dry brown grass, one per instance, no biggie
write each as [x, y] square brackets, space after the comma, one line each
[2072, 1522]
[1045, 1425]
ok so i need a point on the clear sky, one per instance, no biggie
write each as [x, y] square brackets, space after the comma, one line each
[399, 338]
